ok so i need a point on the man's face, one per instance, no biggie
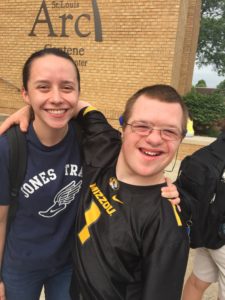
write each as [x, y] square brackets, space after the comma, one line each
[143, 159]
[52, 92]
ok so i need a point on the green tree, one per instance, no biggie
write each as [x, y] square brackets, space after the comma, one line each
[206, 110]
[201, 83]
[221, 87]
[211, 42]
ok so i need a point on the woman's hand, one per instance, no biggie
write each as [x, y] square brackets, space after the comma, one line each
[2, 291]
[21, 117]
[171, 193]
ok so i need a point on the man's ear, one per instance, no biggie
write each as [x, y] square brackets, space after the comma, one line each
[25, 95]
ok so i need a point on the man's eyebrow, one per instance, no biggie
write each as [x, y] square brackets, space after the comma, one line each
[169, 126]
[41, 81]
[141, 121]
[49, 81]
[68, 82]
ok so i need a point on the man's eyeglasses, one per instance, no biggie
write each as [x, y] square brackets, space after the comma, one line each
[167, 134]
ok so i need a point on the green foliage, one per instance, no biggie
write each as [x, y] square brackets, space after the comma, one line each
[206, 110]
[201, 83]
[211, 42]
[221, 87]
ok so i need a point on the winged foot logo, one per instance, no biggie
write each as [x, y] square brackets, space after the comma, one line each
[62, 199]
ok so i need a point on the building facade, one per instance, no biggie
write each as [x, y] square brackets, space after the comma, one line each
[119, 45]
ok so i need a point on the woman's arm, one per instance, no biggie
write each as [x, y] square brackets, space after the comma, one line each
[3, 222]
[23, 117]
[171, 193]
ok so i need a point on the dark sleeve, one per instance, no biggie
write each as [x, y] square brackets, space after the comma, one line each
[164, 272]
[165, 255]
[189, 204]
[101, 142]
[193, 185]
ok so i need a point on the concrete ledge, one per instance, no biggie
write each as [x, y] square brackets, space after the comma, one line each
[192, 144]
[3, 117]
[198, 140]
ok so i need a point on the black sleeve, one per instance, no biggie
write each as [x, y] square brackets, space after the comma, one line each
[189, 204]
[101, 142]
[193, 184]
[165, 255]
[164, 271]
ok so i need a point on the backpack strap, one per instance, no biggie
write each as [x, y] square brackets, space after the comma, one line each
[17, 159]
[17, 164]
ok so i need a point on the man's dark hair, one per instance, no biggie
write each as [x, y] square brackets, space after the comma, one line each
[160, 92]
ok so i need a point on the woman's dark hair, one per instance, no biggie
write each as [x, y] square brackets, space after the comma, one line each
[41, 53]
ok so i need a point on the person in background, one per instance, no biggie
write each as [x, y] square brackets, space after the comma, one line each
[190, 127]
[209, 263]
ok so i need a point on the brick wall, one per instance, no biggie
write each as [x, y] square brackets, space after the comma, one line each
[187, 149]
[189, 45]
[143, 42]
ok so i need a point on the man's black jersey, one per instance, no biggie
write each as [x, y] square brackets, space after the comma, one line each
[130, 242]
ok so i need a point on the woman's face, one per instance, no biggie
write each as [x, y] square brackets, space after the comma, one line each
[52, 91]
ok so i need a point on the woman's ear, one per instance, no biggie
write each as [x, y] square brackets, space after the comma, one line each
[25, 95]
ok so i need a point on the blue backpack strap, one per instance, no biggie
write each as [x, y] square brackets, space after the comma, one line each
[17, 164]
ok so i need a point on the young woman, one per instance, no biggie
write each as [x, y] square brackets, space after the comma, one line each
[37, 248]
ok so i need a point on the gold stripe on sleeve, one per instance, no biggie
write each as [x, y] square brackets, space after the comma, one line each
[179, 223]
[88, 109]
[91, 216]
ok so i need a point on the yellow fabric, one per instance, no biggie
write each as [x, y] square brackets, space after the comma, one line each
[179, 223]
[190, 129]
[89, 108]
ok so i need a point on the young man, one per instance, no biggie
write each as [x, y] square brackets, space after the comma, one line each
[131, 243]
